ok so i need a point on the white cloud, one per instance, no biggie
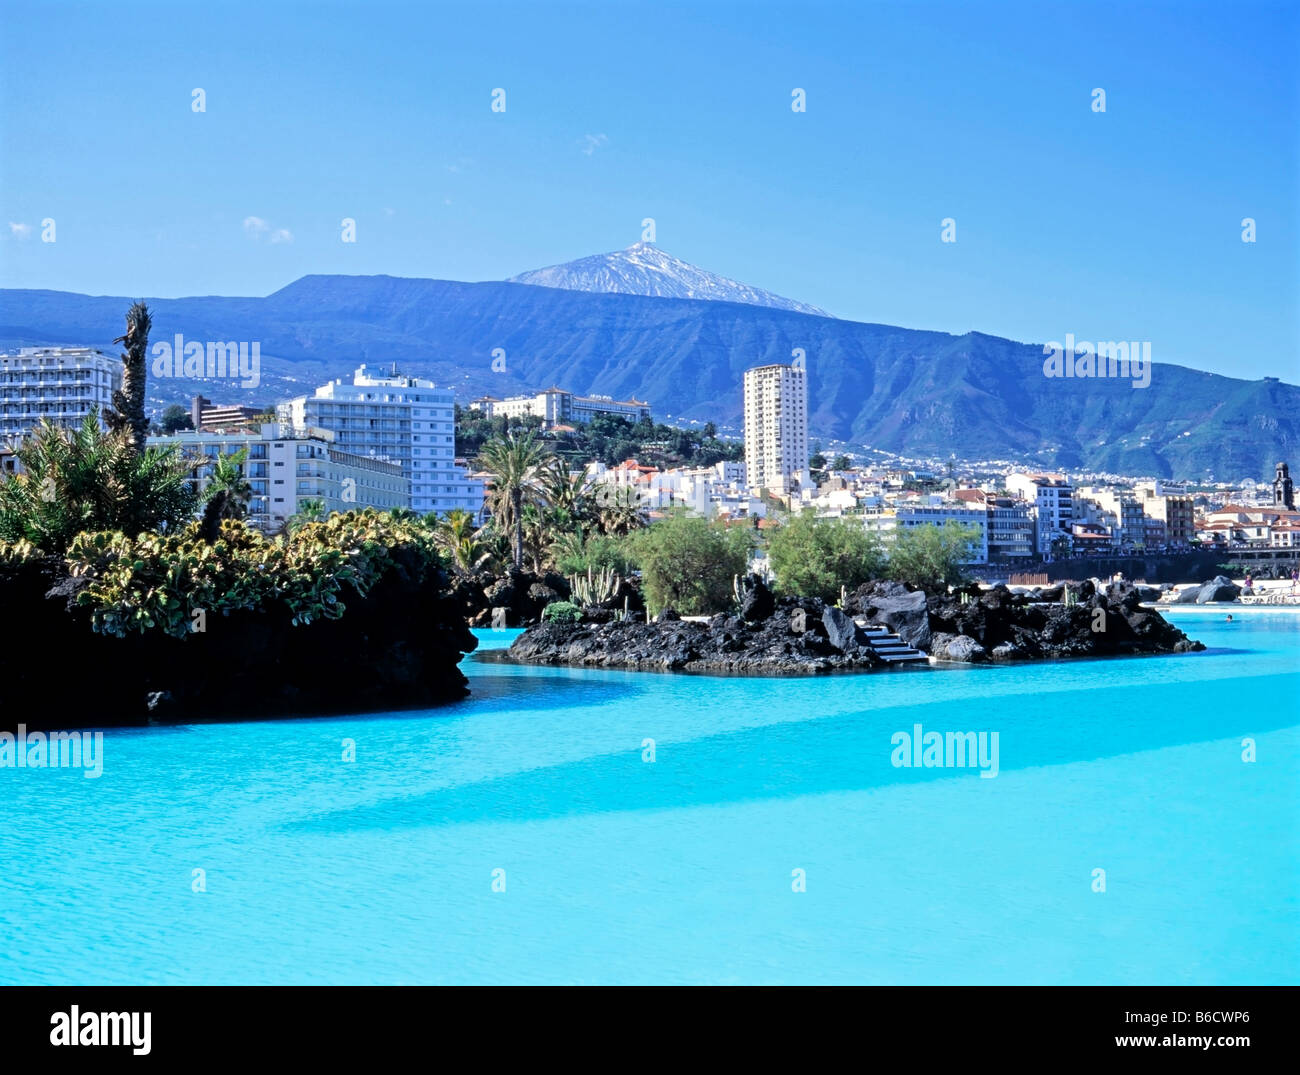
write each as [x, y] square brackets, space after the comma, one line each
[256, 229]
[20, 231]
[592, 142]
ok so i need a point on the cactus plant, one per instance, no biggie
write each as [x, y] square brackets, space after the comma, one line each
[596, 588]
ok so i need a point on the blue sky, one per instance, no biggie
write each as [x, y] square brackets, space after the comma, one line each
[1122, 225]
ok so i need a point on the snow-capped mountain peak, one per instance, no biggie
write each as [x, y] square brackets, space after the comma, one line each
[645, 269]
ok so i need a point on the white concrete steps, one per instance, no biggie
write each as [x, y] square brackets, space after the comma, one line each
[889, 647]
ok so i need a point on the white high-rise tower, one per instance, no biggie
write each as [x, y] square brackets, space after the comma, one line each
[776, 428]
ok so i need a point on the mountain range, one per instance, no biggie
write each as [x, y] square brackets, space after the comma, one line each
[913, 392]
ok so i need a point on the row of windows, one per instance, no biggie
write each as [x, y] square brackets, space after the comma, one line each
[52, 376]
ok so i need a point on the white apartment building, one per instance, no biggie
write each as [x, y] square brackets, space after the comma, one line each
[938, 515]
[1171, 506]
[776, 428]
[403, 419]
[886, 524]
[58, 383]
[706, 491]
[555, 407]
[1010, 524]
[285, 470]
[1052, 496]
[1116, 509]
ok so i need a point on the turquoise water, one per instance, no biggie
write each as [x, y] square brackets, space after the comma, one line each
[380, 870]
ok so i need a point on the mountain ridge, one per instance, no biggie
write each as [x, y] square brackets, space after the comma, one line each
[915, 392]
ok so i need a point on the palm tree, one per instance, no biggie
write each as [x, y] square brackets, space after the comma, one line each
[516, 463]
[84, 479]
[311, 509]
[619, 510]
[227, 494]
[569, 550]
[127, 415]
[540, 526]
[567, 491]
[456, 534]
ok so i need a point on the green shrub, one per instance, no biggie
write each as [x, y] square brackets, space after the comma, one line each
[576, 553]
[814, 557]
[690, 564]
[561, 612]
[163, 581]
[930, 555]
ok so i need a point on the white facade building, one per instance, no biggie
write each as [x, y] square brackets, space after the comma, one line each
[1119, 511]
[404, 419]
[283, 471]
[776, 428]
[1052, 496]
[58, 383]
[938, 515]
[558, 407]
[887, 524]
[706, 491]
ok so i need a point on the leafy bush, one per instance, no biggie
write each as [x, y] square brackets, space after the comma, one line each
[814, 557]
[561, 612]
[576, 554]
[163, 581]
[930, 555]
[689, 564]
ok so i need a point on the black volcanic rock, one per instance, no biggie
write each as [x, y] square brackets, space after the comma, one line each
[522, 594]
[1220, 588]
[398, 646]
[841, 632]
[804, 635]
[961, 648]
[756, 601]
[724, 643]
[1016, 626]
[893, 606]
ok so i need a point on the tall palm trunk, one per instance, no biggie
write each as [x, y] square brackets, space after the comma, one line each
[517, 500]
[128, 414]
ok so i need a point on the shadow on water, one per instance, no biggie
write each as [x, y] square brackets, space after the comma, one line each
[850, 752]
[540, 691]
